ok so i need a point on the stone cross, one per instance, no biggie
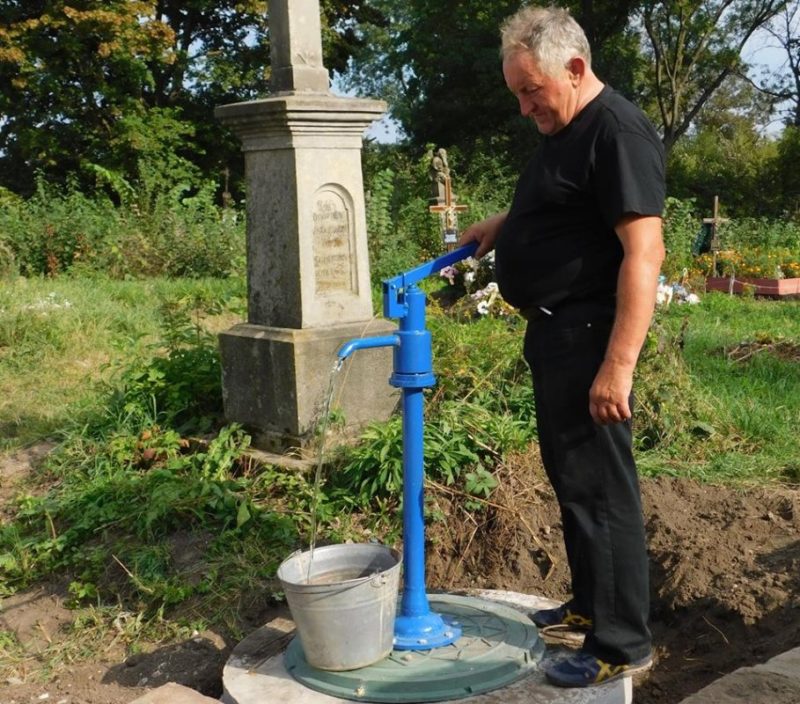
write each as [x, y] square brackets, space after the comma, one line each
[296, 47]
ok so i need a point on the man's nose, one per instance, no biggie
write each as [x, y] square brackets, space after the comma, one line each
[525, 106]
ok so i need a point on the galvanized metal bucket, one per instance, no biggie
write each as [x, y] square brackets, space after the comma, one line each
[344, 605]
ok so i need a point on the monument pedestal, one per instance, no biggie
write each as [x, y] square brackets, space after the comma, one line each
[275, 380]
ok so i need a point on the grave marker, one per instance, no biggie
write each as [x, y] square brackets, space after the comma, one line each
[307, 265]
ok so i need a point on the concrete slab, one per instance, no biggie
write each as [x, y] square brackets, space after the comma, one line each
[777, 681]
[172, 693]
[786, 664]
[255, 673]
[748, 686]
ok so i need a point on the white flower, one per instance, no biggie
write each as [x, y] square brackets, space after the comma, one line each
[469, 277]
[693, 299]
[491, 287]
[483, 308]
[449, 273]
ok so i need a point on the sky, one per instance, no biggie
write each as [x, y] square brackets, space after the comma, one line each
[763, 53]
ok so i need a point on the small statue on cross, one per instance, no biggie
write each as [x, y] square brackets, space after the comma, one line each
[443, 198]
[440, 172]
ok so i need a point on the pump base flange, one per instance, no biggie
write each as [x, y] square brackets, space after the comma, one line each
[425, 632]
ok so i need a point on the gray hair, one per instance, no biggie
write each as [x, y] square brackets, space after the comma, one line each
[549, 34]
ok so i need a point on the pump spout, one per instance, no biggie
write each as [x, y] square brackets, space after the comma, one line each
[364, 343]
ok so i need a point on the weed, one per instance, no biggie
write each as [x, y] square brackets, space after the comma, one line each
[718, 418]
[58, 339]
[160, 227]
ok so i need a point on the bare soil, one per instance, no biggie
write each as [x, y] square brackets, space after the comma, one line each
[725, 573]
[724, 564]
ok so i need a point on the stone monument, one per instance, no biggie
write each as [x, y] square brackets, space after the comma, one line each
[307, 265]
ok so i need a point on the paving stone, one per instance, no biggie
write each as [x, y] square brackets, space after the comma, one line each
[749, 685]
[786, 664]
[172, 693]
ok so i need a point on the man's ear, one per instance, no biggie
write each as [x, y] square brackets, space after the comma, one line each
[577, 67]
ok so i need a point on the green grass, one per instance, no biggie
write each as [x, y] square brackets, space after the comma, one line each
[58, 337]
[754, 404]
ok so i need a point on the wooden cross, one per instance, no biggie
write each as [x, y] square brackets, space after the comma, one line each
[715, 222]
[448, 213]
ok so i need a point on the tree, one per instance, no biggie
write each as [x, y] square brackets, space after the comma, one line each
[341, 29]
[67, 76]
[438, 65]
[785, 30]
[734, 164]
[787, 175]
[695, 45]
[736, 105]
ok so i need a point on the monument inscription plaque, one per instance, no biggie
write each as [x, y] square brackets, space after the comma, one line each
[333, 237]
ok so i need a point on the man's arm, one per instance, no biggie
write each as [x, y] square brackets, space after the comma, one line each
[643, 248]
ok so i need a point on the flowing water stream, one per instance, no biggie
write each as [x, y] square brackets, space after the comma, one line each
[322, 431]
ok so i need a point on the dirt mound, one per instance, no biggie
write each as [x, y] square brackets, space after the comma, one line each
[725, 568]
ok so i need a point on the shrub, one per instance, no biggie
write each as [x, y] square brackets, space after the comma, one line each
[154, 230]
[763, 233]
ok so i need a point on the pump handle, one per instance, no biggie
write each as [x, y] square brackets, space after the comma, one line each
[393, 289]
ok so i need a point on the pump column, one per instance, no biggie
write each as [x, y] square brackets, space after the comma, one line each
[416, 626]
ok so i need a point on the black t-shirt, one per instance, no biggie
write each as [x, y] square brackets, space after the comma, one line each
[558, 242]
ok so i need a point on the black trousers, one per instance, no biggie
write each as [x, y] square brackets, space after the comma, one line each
[593, 474]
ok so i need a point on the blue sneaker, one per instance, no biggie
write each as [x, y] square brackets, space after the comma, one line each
[563, 616]
[585, 670]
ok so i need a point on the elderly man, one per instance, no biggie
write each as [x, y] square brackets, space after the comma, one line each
[579, 253]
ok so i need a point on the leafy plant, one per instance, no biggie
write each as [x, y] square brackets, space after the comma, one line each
[182, 387]
[481, 409]
[681, 228]
[161, 226]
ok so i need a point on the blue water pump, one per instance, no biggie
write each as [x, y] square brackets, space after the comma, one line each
[416, 626]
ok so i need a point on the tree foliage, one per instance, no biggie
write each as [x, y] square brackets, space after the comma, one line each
[69, 75]
[107, 83]
[117, 91]
[755, 175]
[695, 45]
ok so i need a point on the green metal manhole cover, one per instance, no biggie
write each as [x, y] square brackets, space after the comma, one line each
[499, 645]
